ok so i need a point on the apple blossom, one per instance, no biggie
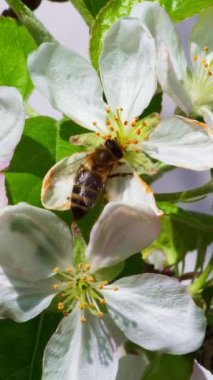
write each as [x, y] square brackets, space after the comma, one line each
[153, 311]
[11, 128]
[190, 87]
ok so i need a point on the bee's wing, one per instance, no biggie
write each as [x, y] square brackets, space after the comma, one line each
[58, 182]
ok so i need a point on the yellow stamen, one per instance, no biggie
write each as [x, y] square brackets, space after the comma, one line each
[55, 286]
[116, 288]
[56, 270]
[107, 122]
[87, 266]
[69, 270]
[94, 123]
[100, 314]
[206, 49]
[102, 301]
[195, 57]
[83, 319]
[60, 306]
[125, 122]
[91, 279]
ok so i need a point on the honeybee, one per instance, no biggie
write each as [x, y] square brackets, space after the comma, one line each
[77, 182]
[92, 176]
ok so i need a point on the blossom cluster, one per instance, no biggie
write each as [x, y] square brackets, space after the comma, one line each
[45, 265]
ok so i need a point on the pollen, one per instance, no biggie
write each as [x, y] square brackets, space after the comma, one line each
[116, 288]
[125, 122]
[97, 133]
[133, 124]
[100, 314]
[112, 129]
[56, 270]
[195, 57]
[55, 286]
[60, 306]
[209, 73]
[107, 122]
[83, 319]
[94, 123]
[206, 49]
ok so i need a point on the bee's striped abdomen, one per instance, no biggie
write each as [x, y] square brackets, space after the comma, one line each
[88, 185]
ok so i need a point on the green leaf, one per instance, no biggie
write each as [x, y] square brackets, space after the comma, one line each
[169, 367]
[181, 231]
[27, 18]
[22, 346]
[89, 9]
[44, 142]
[115, 9]
[15, 45]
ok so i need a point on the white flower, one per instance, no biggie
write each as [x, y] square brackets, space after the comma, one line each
[190, 87]
[11, 128]
[128, 80]
[154, 311]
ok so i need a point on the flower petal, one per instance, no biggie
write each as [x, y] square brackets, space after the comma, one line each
[128, 67]
[33, 242]
[157, 313]
[22, 300]
[131, 367]
[163, 30]
[70, 83]
[3, 196]
[11, 122]
[207, 115]
[200, 373]
[122, 230]
[81, 351]
[130, 187]
[181, 142]
[170, 82]
[201, 36]
[58, 182]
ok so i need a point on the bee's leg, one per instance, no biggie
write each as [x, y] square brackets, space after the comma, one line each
[120, 175]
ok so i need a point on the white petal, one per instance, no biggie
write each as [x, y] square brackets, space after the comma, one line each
[131, 367]
[128, 67]
[11, 123]
[200, 373]
[163, 30]
[22, 300]
[181, 142]
[70, 83]
[157, 313]
[33, 242]
[130, 188]
[3, 196]
[170, 82]
[122, 230]
[81, 351]
[58, 182]
[201, 36]
[207, 115]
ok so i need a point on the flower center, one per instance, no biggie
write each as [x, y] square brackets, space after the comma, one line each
[202, 81]
[128, 133]
[77, 287]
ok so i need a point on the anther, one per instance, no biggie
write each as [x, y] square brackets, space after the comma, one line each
[121, 109]
[107, 122]
[138, 132]
[97, 133]
[146, 138]
[105, 282]
[206, 49]
[83, 319]
[102, 301]
[195, 57]
[91, 279]
[55, 286]
[112, 129]
[87, 266]
[116, 288]
[135, 142]
[69, 283]
[94, 123]
[83, 305]
[209, 73]
[100, 314]
[116, 118]
[92, 305]
[83, 278]
[125, 122]
[107, 110]
[56, 270]
[80, 266]
[60, 306]
[68, 270]
[144, 124]
[133, 124]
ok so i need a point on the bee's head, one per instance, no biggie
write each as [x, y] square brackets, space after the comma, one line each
[114, 147]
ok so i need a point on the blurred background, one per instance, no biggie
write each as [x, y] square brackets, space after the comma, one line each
[67, 26]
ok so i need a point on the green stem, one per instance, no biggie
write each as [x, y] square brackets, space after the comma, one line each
[28, 19]
[84, 12]
[186, 196]
[199, 284]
